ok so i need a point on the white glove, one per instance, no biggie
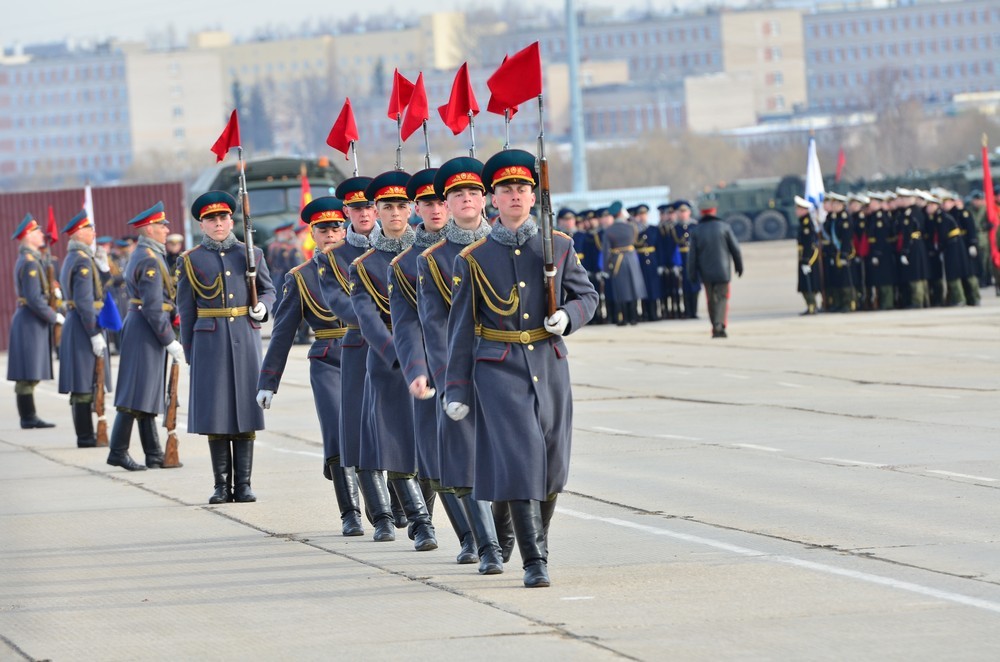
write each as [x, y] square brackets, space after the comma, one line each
[264, 398]
[874, 261]
[176, 350]
[101, 259]
[661, 270]
[258, 312]
[456, 410]
[806, 269]
[903, 260]
[98, 344]
[557, 322]
[57, 292]
[60, 319]
[677, 272]
[972, 251]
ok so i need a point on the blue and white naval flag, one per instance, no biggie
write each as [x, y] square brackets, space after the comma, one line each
[815, 192]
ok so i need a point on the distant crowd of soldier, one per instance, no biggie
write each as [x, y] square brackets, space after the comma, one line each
[881, 250]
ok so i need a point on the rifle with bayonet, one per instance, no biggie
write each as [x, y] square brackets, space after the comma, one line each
[248, 234]
[547, 219]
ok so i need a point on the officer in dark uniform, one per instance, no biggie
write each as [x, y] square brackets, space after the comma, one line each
[680, 241]
[880, 263]
[838, 250]
[946, 237]
[713, 246]
[84, 276]
[856, 205]
[387, 441]
[668, 256]
[622, 265]
[303, 301]
[147, 337]
[646, 244]
[808, 245]
[910, 223]
[952, 204]
[29, 353]
[593, 262]
[220, 332]
[502, 338]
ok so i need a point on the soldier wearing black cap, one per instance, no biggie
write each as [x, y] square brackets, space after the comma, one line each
[220, 332]
[589, 248]
[667, 257]
[649, 261]
[147, 338]
[84, 276]
[679, 247]
[387, 440]
[501, 338]
[29, 354]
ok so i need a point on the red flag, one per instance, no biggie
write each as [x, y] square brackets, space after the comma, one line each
[230, 137]
[992, 215]
[462, 101]
[497, 106]
[519, 78]
[399, 98]
[344, 131]
[51, 231]
[417, 111]
[841, 162]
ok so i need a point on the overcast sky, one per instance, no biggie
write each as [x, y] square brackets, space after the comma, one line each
[35, 21]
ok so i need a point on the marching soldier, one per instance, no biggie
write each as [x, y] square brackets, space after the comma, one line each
[147, 337]
[808, 245]
[29, 354]
[303, 300]
[880, 267]
[523, 437]
[649, 262]
[622, 265]
[84, 276]
[387, 442]
[220, 332]
[459, 182]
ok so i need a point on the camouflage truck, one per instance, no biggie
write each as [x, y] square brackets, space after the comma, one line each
[761, 208]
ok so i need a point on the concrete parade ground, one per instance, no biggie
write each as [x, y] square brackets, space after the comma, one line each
[810, 488]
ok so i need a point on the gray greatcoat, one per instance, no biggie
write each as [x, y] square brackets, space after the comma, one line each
[29, 355]
[524, 401]
[622, 262]
[83, 288]
[224, 352]
[147, 329]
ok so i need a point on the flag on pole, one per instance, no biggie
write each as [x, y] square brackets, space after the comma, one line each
[461, 103]
[992, 215]
[308, 245]
[229, 138]
[815, 192]
[417, 110]
[519, 77]
[88, 203]
[841, 162]
[344, 131]
[399, 98]
[497, 106]
[51, 230]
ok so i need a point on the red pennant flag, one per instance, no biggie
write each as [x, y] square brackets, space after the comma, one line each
[841, 162]
[399, 98]
[417, 111]
[519, 78]
[230, 138]
[344, 131]
[462, 101]
[992, 214]
[51, 230]
[497, 106]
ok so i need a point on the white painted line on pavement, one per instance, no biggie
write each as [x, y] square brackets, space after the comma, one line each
[290, 451]
[858, 462]
[958, 598]
[678, 436]
[755, 447]
[579, 597]
[952, 473]
[790, 385]
[598, 428]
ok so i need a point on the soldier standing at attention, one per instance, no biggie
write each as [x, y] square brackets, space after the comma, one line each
[29, 355]
[713, 245]
[622, 265]
[680, 236]
[147, 336]
[515, 373]
[220, 333]
[303, 300]
[910, 223]
[649, 262]
[84, 276]
[952, 204]
[387, 442]
[807, 240]
[880, 269]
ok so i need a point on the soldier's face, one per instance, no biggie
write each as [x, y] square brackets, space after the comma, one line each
[567, 224]
[217, 226]
[683, 215]
[394, 216]
[326, 236]
[513, 201]
[157, 232]
[433, 212]
[35, 239]
[85, 235]
[466, 205]
[362, 218]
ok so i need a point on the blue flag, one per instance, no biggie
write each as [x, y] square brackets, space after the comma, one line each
[109, 318]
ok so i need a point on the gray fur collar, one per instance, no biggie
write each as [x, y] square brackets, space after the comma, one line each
[358, 240]
[395, 246]
[75, 245]
[425, 239]
[25, 250]
[463, 237]
[153, 245]
[214, 245]
[504, 236]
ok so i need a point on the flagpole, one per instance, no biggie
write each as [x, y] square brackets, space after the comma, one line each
[472, 134]
[427, 147]
[399, 141]
[506, 128]
[354, 153]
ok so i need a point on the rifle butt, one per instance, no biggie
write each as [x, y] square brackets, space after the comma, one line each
[102, 422]
[171, 459]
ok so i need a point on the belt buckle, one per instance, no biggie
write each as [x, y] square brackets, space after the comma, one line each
[524, 337]
[233, 311]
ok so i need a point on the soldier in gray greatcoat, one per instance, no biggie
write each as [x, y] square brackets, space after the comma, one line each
[146, 338]
[387, 442]
[220, 333]
[29, 353]
[621, 263]
[84, 276]
[303, 300]
[505, 347]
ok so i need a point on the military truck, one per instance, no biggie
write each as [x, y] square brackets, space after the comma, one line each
[274, 185]
[760, 208]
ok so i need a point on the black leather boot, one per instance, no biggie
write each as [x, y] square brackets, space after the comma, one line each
[121, 434]
[480, 517]
[26, 410]
[412, 501]
[456, 515]
[345, 487]
[504, 529]
[222, 469]
[398, 514]
[150, 439]
[376, 495]
[430, 498]
[242, 468]
[83, 422]
[527, 519]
